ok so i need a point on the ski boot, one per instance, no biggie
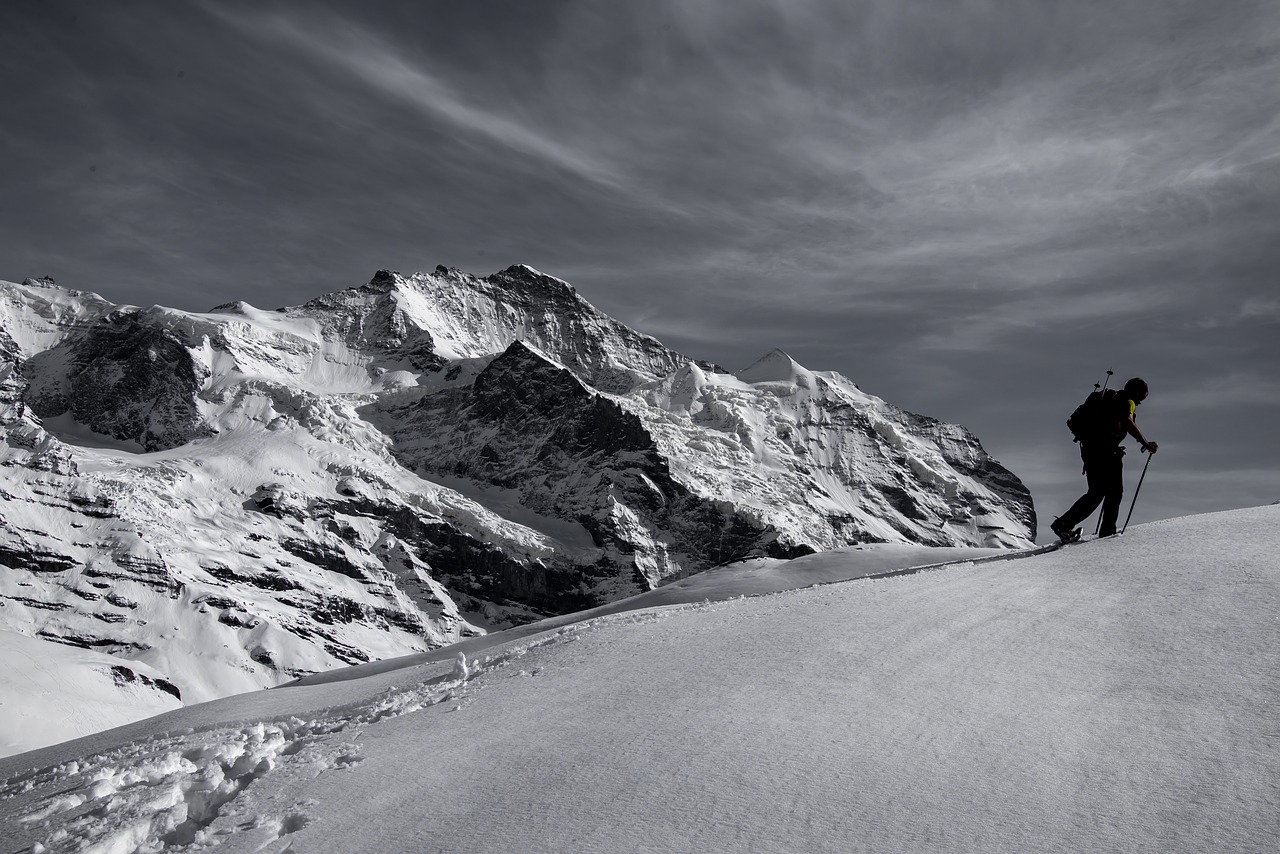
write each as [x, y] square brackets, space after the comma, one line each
[1065, 534]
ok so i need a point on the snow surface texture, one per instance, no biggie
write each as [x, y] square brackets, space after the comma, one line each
[240, 497]
[1113, 696]
[51, 692]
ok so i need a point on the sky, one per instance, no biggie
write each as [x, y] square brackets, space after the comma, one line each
[1043, 703]
[972, 209]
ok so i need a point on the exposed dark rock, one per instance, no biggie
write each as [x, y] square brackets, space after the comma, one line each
[269, 579]
[385, 279]
[274, 499]
[123, 675]
[537, 428]
[345, 653]
[39, 604]
[383, 327]
[35, 560]
[133, 380]
[215, 601]
[263, 656]
[238, 619]
[325, 556]
[111, 646]
[902, 501]
[337, 609]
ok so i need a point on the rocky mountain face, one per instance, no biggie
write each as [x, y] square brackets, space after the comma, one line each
[237, 497]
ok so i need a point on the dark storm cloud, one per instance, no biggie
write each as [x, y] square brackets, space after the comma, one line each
[971, 208]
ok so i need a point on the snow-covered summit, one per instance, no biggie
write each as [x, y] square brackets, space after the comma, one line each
[466, 317]
[240, 496]
[777, 366]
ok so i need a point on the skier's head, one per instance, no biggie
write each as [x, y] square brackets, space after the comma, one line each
[1136, 389]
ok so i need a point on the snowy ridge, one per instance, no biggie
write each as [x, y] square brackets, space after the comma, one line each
[239, 497]
[1048, 702]
[460, 316]
[847, 466]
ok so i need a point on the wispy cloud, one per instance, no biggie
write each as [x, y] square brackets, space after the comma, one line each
[1253, 310]
[988, 329]
[376, 61]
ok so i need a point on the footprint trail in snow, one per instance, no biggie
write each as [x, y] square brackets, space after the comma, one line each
[194, 790]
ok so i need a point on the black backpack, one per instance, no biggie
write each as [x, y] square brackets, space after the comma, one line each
[1096, 419]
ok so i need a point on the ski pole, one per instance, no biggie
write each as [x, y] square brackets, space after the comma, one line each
[1135, 492]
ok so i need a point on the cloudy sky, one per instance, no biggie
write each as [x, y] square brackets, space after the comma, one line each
[972, 208]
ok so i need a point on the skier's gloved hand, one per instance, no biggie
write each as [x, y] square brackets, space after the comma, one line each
[1150, 447]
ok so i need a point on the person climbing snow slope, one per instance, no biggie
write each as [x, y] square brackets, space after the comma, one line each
[1108, 419]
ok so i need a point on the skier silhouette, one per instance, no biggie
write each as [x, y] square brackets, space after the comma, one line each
[1103, 458]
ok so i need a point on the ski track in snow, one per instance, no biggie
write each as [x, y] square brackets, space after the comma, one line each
[191, 790]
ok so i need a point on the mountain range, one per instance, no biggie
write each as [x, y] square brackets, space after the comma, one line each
[214, 502]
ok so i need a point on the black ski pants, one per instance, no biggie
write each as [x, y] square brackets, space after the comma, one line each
[1104, 468]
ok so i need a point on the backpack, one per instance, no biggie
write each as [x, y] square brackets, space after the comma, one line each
[1096, 419]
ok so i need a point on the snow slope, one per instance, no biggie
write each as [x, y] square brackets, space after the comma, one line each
[1114, 696]
[51, 692]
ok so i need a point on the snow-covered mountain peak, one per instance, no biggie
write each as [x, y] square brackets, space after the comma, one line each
[450, 315]
[527, 282]
[36, 314]
[237, 496]
[777, 367]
